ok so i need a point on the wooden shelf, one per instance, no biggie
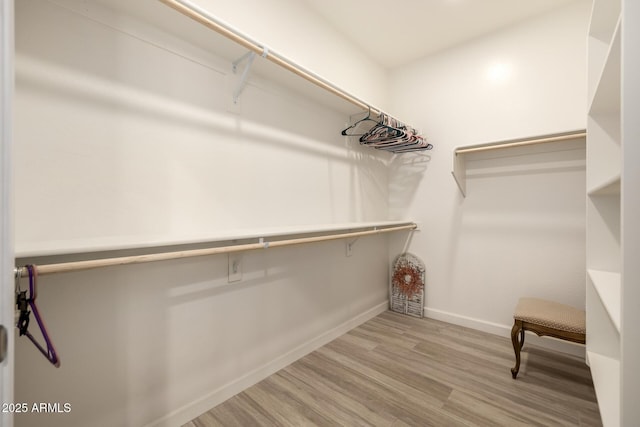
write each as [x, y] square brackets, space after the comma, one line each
[607, 285]
[606, 380]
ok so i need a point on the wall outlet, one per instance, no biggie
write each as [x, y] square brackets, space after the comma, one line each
[235, 268]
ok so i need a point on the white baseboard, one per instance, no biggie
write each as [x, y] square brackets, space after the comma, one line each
[194, 409]
[505, 331]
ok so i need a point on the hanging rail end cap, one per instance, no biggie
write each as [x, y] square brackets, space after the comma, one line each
[23, 271]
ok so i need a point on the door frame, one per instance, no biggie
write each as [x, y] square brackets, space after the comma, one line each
[7, 282]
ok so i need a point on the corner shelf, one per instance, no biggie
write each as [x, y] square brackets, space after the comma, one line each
[459, 153]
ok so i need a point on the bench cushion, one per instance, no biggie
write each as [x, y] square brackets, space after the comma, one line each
[550, 314]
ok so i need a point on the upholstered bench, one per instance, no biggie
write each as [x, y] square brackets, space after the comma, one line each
[545, 318]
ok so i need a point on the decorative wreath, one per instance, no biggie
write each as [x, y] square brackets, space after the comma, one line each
[407, 279]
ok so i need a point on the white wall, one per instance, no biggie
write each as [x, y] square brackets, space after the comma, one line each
[520, 230]
[126, 139]
[295, 31]
[167, 342]
[119, 139]
[145, 148]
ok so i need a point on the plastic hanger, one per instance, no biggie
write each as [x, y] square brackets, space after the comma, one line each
[23, 304]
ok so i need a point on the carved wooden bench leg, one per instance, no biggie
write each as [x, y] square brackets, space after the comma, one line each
[545, 318]
[517, 346]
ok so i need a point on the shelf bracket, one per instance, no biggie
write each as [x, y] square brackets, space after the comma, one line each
[459, 173]
[249, 57]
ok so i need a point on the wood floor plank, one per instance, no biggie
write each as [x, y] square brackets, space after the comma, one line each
[415, 380]
[286, 408]
[238, 411]
[370, 393]
[380, 334]
[431, 398]
[340, 408]
[399, 371]
[358, 341]
[481, 412]
[473, 383]
[482, 379]
[358, 412]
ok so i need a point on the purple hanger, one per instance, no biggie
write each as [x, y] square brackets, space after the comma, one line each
[23, 323]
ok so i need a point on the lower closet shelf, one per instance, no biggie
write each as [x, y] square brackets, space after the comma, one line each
[260, 244]
[605, 372]
[119, 243]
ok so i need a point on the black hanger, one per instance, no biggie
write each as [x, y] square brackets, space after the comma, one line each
[390, 135]
[366, 118]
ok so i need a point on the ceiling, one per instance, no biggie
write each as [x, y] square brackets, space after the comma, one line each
[395, 33]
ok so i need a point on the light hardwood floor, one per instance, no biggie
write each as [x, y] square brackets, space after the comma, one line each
[396, 370]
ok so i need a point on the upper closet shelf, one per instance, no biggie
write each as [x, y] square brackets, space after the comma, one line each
[459, 166]
[387, 133]
[196, 34]
[211, 22]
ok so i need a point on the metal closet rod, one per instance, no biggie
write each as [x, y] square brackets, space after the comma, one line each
[205, 18]
[139, 259]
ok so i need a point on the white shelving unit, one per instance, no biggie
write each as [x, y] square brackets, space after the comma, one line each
[613, 341]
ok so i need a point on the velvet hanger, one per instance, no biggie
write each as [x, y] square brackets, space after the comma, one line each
[23, 303]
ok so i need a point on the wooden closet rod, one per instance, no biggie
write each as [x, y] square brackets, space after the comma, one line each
[138, 259]
[507, 144]
[203, 17]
